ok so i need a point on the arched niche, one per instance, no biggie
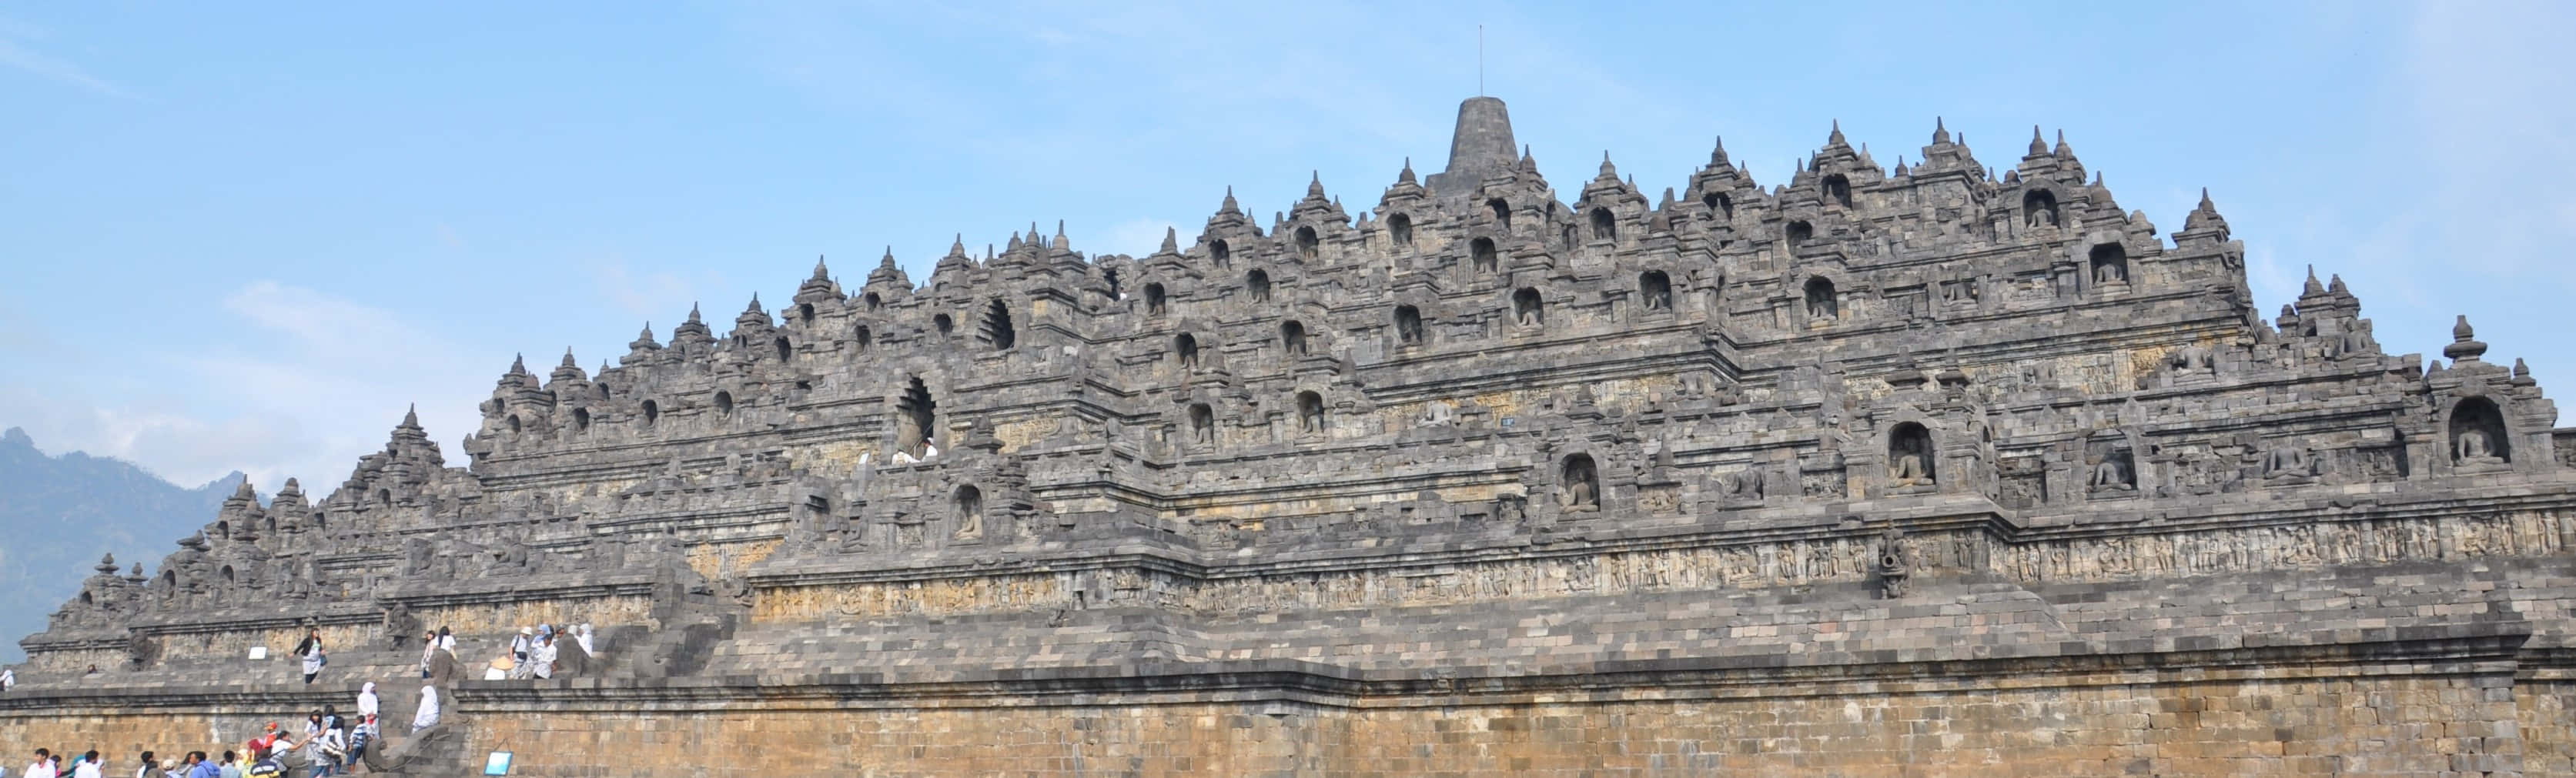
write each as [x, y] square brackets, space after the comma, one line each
[1154, 299]
[2110, 264]
[514, 422]
[1307, 245]
[1604, 225]
[1910, 456]
[1719, 205]
[1185, 351]
[997, 326]
[1399, 229]
[2478, 434]
[1292, 338]
[1202, 424]
[724, 402]
[1408, 325]
[1310, 413]
[1257, 284]
[2039, 208]
[1528, 308]
[1482, 256]
[1823, 303]
[915, 419]
[805, 312]
[1800, 232]
[970, 512]
[652, 412]
[1655, 290]
[872, 301]
[581, 419]
[786, 351]
[943, 323]
[1578, 483]
[1220, 253]
[1838, 190]
[1502, 212]
[861, 338]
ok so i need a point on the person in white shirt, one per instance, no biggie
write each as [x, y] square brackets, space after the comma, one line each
[367, 702]
[88, 767]
[43, 767]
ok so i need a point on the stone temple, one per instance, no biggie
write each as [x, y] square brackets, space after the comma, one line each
[1882, 471]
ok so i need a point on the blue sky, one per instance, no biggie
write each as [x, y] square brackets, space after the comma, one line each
[246, 237]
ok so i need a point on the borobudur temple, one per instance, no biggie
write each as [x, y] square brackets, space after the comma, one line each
[1884, 471]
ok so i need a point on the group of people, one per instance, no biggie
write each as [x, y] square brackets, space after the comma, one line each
[332, 744]
[537, 652]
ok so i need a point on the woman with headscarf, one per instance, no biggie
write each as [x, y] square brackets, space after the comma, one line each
[428, 716]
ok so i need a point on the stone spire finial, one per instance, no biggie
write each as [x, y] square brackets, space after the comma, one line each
[2464, 345]
[755, 304]
[1230, 206]
[1014, 244]
[2334, 285]
[1060, 243]
[1171, 241]
[1405, 176]
[1836, 137]
[2038, 142]
[1940, 132]
[518, 364]
[1479, 148]
[1315, 183]
[1609, 172]
[2063, 151]
[693, 314]
[1717, 153]
[106, 565]
[567, 360]
[821, 273]
[2312, 287]
[2521, 373]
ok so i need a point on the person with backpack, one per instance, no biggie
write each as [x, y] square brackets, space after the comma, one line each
[360, 737]
[311, 649]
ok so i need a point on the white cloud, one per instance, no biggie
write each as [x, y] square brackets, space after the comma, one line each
[31, 61]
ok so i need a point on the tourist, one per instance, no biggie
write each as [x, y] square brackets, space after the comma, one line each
[428, 652]
[39, 768]
[360, 737]
[446, 640]
[198, 767]
[151, 768]
[8, 679]
[87, 766]
[367, 702]
[428, 716]
[231, 768]
[311, 650]
[520, 646]
[312, 726]
[326, 750]
[268, 741]
[266, 767]
[582, 635]
[542, 662]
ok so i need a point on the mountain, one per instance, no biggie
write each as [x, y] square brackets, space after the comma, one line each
[59, 513]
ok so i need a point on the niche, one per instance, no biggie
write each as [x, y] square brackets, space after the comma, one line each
[1838, 190]
[873, 301]
[1408, 325]
[1579, 483]
[970, 513]
[1399, 228]
[805, 311]
[1822, 303]
[1202, 423]
[652, 412]
[1502, 213]
[227, 574]
[2039, 208]
[1527, 309]
[915, 414]
[1604, 226]
[1310, 412]
[944, 324]
[1220, 253]
[1306, 243]
[1292, 338]
[1111, 276]
[862, 338]
[1719, 205]
[786, 351]
[997, 325]
[514, 422]
[581, 419]
[724, 402]
[2478, 433]
[2110, 264]
[1800, 232]
[1154, 299]
[1257, 283]
[1185, 349]
[1481, 252]
[1655, 290]
[1909, 455]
